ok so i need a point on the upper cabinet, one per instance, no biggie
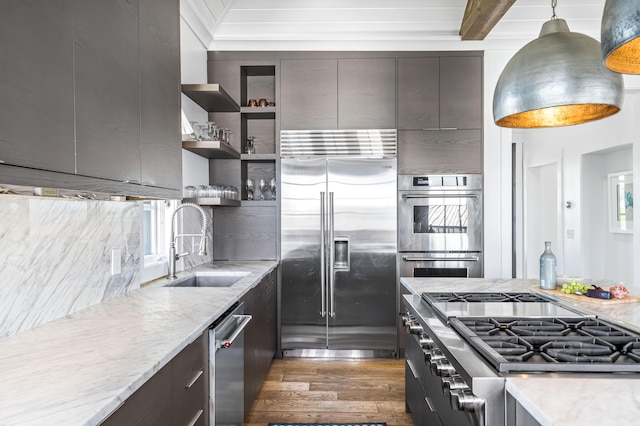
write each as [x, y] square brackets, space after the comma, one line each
[159, 59]
[36, 85]
[367, 93]
[91, 96]
[107, 89]
[309, 94]
[440, 93]
[345, 93]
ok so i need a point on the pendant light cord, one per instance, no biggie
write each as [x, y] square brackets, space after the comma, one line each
[554, 3]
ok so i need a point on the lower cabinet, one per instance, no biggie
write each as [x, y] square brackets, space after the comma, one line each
[259, 336]
[176, 395]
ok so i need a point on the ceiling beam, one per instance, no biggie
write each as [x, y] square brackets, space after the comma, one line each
[480, 16]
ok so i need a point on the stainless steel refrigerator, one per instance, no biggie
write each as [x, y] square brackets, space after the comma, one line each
[338, 236]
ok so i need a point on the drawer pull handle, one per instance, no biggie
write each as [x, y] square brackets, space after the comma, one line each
[195, 419]
[195, 379]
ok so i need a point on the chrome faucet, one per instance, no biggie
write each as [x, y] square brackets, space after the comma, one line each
[173, 256]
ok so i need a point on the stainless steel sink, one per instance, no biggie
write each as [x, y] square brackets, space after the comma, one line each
[211, 279]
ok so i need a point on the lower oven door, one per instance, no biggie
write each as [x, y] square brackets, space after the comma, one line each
[433, 265]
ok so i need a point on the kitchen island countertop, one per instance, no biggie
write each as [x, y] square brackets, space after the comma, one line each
[79, 368]
[563, 400]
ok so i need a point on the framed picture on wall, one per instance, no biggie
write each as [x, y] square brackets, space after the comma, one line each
[621, 202]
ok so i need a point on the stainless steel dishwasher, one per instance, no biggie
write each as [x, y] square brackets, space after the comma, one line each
[226, 352]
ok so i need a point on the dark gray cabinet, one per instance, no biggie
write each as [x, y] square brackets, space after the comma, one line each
[418, 93]
[367, 93]
[90, 94]
[36, 85]
[461, 92]
[444, 151]
[440, 114]
[176, 395]
[440, 93]
[259, 336]
[344, 93]
[309, 94]
[159, 58]
[107, 89]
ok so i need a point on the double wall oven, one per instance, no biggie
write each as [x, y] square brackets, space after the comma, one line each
[440, 226]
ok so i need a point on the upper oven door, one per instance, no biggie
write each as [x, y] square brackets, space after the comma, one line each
[439, 220]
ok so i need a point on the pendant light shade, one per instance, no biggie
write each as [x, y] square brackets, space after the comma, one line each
[556, 80]
[621, 36]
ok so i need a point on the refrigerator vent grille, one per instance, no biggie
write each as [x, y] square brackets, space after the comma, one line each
[377, 143]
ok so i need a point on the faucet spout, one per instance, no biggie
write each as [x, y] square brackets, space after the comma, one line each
[174, 238]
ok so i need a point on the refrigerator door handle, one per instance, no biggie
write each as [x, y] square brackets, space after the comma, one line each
[323, 254]
[332, 309]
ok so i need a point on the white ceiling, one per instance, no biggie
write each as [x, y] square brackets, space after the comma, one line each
[371, 24]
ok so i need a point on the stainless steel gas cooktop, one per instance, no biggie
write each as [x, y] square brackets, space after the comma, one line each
[523, 332]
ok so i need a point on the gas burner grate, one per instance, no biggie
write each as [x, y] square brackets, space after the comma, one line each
[483, 328]
[512, 349]
[580, 351]
[433, 297]
[538, 328]
[632, 349]
[555, 344]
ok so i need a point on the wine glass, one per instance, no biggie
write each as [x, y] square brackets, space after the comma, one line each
[251, 186]
[262, 186]
[272, 187]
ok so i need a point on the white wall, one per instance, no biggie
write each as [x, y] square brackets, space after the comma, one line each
[497, 176]
[577, 148]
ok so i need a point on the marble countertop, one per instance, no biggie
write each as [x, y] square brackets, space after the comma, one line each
[76, 370]
[565, 399]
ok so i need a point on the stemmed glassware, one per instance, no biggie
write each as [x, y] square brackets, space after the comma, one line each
[262, 186]
[272, 187]
[251, 186]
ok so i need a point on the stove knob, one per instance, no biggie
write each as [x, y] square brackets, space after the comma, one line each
[426, 342]
[406, 318]
[415, 328]
[442, 368]
[465, 400]
[452, 383]
[433, 355]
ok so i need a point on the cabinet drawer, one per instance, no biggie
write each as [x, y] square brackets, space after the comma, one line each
[149, 405]
[417, 402]
[188, 402]
[188, 363]
[190, 381]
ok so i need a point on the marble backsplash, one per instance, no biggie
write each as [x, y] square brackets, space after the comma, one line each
[56, 257]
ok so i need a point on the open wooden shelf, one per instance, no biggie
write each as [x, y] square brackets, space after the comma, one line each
[211, 149]
[211, 97]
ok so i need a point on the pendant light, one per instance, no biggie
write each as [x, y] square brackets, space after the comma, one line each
[621, 36]
[556, 80]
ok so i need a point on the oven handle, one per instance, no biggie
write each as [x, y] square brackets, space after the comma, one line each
[439, 196]
[444, 259]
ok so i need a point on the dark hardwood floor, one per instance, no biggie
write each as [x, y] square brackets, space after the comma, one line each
[330, 390]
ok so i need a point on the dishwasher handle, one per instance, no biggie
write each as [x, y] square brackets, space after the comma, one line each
[226, 343]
